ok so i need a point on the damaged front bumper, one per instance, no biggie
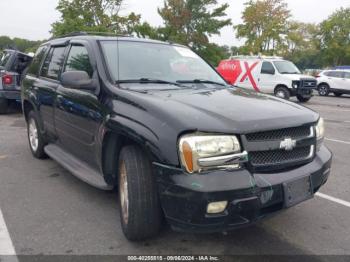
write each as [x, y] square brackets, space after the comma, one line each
[251, 197]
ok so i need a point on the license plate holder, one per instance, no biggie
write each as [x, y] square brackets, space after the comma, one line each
[297, 191]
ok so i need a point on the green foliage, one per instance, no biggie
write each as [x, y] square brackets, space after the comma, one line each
[93, 16]
[20, 44]
[264, 23]
[335, 38]
[192, 22]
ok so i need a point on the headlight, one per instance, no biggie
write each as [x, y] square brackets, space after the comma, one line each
[320, 133]
[199, 151]
[295, 84]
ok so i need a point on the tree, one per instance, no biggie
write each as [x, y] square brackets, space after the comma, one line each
[20, 44]
[192, 22]
[264, 24]
[93, 16]
[335, 38]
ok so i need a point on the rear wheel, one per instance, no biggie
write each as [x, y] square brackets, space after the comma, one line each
[3, 105]
[303, 99]
[140, 211]
[282, 92]
[338, 94]
[35, 138]
[323, 90]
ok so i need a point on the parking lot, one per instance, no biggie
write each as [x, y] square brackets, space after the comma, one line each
[48, 211]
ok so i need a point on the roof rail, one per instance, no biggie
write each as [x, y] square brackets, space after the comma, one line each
[255, 57]
[84, 33]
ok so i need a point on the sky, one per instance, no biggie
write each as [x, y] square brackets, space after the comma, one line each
[32, 19]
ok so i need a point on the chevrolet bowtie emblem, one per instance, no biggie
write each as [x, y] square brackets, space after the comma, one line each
[288, 144]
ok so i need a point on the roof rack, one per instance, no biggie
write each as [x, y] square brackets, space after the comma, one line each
[255, 57]
[84, 33]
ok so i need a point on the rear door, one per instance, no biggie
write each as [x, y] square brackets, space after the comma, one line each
[335, 80]
[346, 79]
[47, 84]
[79, 114]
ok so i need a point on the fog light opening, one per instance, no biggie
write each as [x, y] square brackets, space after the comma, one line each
[216, 207]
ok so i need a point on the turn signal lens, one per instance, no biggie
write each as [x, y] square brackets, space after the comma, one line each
[188, 156]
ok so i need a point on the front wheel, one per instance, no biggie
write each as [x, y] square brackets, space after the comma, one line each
[303, 99]
[323, 90]
[140, 211]
[35, 137]
[3, 105]
[282, 92]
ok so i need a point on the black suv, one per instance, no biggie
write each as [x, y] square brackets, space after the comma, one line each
[157, 122]
[12, 70]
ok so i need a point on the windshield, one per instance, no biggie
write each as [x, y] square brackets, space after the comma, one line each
[286, 67]
[153, 62]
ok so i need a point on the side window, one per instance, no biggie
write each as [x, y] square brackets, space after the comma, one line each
[347, 75]
[53, 62]
[267, 68]
[35, 66]
[78, 60]
[336, 74]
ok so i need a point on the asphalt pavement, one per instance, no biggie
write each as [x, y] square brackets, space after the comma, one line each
[48, 211]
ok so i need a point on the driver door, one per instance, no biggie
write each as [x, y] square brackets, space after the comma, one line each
[78, 113]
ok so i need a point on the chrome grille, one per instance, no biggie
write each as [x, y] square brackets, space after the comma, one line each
[267, 150]
[294, 133]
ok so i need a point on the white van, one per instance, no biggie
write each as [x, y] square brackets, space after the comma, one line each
[271, 75]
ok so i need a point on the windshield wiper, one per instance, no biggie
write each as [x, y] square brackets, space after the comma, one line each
[200, 81]
[148, 81]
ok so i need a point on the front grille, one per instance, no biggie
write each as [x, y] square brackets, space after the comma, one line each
[294, 133]
[309, 83]
[278, 157]
[269, 150]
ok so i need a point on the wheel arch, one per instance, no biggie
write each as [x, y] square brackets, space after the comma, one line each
[281, 85]
[323, 83]
[112, 144]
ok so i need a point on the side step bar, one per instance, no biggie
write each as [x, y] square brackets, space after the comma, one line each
[77, 167]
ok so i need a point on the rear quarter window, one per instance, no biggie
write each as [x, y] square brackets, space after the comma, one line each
[35, 65]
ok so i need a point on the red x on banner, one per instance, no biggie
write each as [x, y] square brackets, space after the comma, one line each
[248, 74]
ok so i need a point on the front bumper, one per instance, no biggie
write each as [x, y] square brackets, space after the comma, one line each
[11, 94]
[251, 197]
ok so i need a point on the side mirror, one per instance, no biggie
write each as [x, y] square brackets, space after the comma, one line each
[78, 80]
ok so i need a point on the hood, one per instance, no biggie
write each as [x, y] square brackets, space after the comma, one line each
[295, 77]
[226, 110]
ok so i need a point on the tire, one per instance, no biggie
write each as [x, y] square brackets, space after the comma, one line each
[35, 137]
[140, 211]
[338, 94]
[3, 105]
[282, 92]
[323, 90]
[303, 99]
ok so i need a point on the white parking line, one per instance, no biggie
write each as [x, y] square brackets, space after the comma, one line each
[6, 246]
[333, 199]
[337, 141]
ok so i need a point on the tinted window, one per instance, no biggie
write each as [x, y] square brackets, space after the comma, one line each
[337, 74]
[53, 62]
[267, 68]
[35, 66]
[347, 75]
[5, 59]
[78, 60]
[156, 61]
